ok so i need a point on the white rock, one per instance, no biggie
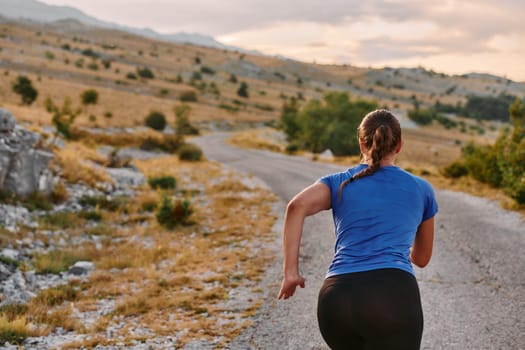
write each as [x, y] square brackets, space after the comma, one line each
[10, 253]
[81, 268]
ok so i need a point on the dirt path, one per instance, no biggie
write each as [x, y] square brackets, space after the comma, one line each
[473, 290]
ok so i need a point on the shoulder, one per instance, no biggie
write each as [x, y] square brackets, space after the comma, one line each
[420, 182]
[338, 177]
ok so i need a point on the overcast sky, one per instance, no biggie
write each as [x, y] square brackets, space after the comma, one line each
[451, 36]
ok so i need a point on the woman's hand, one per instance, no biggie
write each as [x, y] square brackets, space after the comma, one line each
[289, 284]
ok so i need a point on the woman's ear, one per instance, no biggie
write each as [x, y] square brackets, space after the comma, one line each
[362, 147]
[399, 146]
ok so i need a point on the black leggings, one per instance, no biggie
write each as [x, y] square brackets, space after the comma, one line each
[377, 309]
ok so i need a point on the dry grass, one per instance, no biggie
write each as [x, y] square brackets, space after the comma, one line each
[262, 139]
[168, 282]
[14, 330]
[74, 161]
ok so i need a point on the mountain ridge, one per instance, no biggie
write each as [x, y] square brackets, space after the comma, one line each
[38, 11]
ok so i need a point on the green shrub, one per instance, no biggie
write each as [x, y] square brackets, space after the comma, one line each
[190, 152]
[188, 96]
[182, 120]
[63, 117]
[455, 170]
[163, 182]
[156, 120]
[264, 107]
[325, 124]
[502, 164]
[89, 97]
[229, 107]
[24, 87]
[292, 148]
[93, 215]
[482, 163]
[422, 116]
[243, 90]
[172, 214]
[131, 76]
[207, 70]
[145, 73]
[168, 143]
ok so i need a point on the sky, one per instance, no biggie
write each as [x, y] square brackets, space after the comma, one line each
[449, 36]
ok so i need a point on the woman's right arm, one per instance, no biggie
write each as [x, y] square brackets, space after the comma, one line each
[311, 200]
[421, 251]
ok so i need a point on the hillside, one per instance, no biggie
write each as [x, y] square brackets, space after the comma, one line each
[65, 57]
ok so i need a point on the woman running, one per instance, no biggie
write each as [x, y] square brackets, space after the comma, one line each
[384, 222]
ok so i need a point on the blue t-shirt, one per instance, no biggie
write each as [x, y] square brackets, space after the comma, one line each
[377, 217]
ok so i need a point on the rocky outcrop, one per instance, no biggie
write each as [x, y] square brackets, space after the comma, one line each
[23, 168]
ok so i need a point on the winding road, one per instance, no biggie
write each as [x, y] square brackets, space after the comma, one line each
[473, 290]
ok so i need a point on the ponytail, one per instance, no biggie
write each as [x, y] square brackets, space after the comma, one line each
[380, 132]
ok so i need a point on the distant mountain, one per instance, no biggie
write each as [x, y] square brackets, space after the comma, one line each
[40, 12]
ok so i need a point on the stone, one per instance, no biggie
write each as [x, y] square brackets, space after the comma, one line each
[81, 268]
[10, 253]
[7, 121]
[326, 155]
[23, 167]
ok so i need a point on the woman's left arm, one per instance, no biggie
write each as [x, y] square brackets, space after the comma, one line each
[311, 200]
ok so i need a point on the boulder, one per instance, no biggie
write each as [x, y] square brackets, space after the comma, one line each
[23, 167]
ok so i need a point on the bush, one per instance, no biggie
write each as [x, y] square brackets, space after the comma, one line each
[190, 152]
[188, 96]
[326, 124]
[145, 73]
[292, 148]
[168, 143]
[455, 170]
[155, 120]
[63, 117]
[89, 97]
[207, 70]
[24, 87]
[502, 164]
[163, 182]
[243, 90]
[422, 116]
[182, 120]
[172, 214]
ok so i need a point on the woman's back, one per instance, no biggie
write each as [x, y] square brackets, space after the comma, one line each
[376, 218]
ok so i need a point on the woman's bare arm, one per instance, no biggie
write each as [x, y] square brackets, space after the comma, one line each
[310, 201]
[421, 251]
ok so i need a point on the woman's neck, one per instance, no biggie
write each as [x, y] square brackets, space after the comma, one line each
[386, 161]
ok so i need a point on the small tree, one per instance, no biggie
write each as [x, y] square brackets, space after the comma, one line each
[145, 73]
[243, 90]
[24, 87]
[155, 120]
[182, 120]
[188, 96]
[89, 97]
[63, 117]
[173, 213]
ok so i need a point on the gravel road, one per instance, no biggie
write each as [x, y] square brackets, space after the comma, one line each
[473, 290]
